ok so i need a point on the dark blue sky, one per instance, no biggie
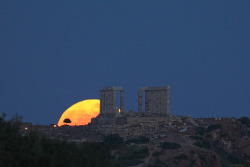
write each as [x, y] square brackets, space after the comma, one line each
[56, 53]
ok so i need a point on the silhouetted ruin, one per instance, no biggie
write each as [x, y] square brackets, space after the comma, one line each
[108, 107]
[157, 104]
[157, 134]
[156, 100]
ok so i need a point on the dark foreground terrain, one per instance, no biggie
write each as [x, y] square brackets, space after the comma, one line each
[184, 142]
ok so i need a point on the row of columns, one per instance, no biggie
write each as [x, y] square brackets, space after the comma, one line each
[160, 97]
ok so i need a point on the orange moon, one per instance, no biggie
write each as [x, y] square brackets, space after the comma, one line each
[80, 113]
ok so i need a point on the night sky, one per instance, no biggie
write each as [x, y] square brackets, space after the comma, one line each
[56, 53]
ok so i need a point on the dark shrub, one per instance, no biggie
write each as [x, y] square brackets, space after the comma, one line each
[216, 143]
[139, 140]
[159, 163]
[179, 158]
[133, 156]
[242, 134]
[202, 157]
[136, 153]
[132, 162]
[168, 145]
[200, 131]
[227, 159]
[196, 137]
[202, 144]
[113, 140]
[213, 127]
[209, 136]
[67, 120]
[156, 154]
[245, 121]
[143, 139]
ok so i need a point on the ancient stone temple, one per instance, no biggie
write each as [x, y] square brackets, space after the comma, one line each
[156, 106]
[108, 106]
[157, 101]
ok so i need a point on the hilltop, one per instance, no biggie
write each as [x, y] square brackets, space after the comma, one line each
[171, 141]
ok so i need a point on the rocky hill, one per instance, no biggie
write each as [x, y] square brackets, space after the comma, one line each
[211, 142]
[176, 141]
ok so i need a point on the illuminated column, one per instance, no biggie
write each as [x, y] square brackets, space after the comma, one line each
[140, 101]
[122, 101]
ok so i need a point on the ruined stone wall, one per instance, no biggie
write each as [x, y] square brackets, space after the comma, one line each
[109, 121]
[136, 120]
[157, 100]
[108, 101]
[108, 105]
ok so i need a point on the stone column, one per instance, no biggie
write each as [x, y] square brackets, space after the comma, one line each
[140, 101]
[102, 101]
[122, 101]
[114, 101]
[148, 101]
[168, 100]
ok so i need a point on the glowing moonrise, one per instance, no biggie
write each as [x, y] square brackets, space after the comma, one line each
[81, 113]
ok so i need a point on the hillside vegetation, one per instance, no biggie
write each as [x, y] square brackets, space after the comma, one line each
[205, 143]
[32, 150]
